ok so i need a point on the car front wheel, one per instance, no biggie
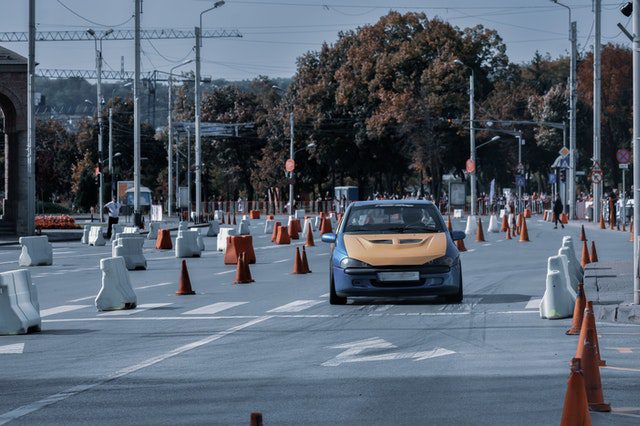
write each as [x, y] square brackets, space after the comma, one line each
[334, 299]
[456, 298]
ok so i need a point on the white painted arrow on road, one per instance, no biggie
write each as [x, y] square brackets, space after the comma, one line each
[354, 349]
[16, 348]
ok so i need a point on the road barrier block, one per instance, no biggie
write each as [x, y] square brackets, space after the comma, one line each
[571, 279]
[36, 251]
[95, 237]
[213, 229]
[116, 229]
[243, 228]
[187, 244]
[556, 302]
[308, 224]
[236, 245]
[19, 307]
[183, 226]
[153, 230]
[299, 214]
[567, 242]
[116, 292]
[222, 238]
[268, 226]
[85, 234]
[199, 238]
[254, 214]
[130, 249]
[131, 230]
[163, 242]
[493, 224]
[472, 224]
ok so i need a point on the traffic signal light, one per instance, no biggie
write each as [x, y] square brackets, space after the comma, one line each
[563, 175]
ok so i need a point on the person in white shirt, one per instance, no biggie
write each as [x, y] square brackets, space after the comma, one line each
[113, 209]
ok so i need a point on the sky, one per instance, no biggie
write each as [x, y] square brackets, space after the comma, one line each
[276, 32]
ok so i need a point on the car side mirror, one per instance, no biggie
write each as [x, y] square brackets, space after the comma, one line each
[329, 238]
[458, 235]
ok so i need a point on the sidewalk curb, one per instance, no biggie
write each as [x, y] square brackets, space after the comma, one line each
[622, 313]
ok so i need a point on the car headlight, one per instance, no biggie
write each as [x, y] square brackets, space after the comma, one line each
[442, 261]
[348, 262]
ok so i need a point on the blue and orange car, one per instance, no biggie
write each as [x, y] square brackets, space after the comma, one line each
[394, 248]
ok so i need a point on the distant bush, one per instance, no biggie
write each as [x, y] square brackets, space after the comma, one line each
[52, 208]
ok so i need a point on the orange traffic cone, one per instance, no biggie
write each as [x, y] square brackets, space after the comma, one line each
[544, 216]
[309, 241]
[505, 223]
[519, 224]
[293, 229]
[578, 312]
[297, 263]
[591, 371]
[256, 419]
[283, 236]
[449, 225]
[508, 234]
[602, 225]
[184, 283]
[631, 231]
[524, 233]
[243, 274]
[594, 254]
[583, 237]
[575, 411]
[305, 262]
[163, 240]
[589, 323]
[480, 232]
[460, 246]
[585, 255]
[274, 235]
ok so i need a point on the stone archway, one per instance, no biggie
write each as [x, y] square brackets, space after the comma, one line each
[16, 218]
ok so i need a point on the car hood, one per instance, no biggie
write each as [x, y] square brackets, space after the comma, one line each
[395, 249]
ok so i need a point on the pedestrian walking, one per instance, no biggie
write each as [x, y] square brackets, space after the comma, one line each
[557, 211]
[112, 208]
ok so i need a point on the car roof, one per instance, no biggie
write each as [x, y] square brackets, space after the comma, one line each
[391, 202]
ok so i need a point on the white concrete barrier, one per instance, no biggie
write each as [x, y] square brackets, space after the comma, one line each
[557, 301]
[130, 249]
[472, 226]
[95, 237]
[187, 244]
[316, 222]
[85, 234]
[199, 238]
[116, 292]
[268, 226]
[130, 230]
[567, 241]
[572, 266]
[299, 214]
[214, 228]
[493, 224]
[222, 238]
[19, 307]
[183, 226]
[307, 222]
[153, 230]
[243, 228]
[36, 251]
[116, 229]
[457, 213]
[571, 279]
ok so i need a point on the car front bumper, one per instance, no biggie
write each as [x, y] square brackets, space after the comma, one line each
[364, 282]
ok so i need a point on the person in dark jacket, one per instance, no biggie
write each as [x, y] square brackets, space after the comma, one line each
[557, 211]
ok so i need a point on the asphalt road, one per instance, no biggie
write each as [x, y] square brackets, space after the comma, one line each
[278, 347]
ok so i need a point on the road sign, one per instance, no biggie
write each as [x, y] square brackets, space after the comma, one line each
[623, 156]
[290, 165]
[564, 163]
[520, 180]
[471, 166]
[596, 178]
[520, 168]
[564, 151]
[596, 168]
[623, 166]
[552, 178]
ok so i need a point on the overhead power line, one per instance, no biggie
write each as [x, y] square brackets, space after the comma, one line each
[157, 34]
[108, 74]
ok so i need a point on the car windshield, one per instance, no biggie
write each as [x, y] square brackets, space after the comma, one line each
[394, 219]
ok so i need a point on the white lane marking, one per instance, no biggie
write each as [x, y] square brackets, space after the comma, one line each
[281, 261]
[486, 245]
[323, 254]
[635, 370]
[63, 252]
[354, 349]
[82, 299]
[61, 309]
[383, 308]
[225, 272]
[55, 398]
[16, 348]
[161, 258]
[534, 303]
[214, 308]
[138, 309]
[153, 285]
[627, 411]
[130, 318]
[8, 262]
[296, 306]
[325, 295]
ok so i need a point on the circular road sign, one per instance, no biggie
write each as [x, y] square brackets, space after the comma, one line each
[471, 166]
[290, 165]
[623, 156]
[596, 178]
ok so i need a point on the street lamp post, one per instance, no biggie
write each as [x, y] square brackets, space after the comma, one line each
[472, 136]
[98, 47]
[170, 140]
[198, 147]
[636, 148]
[291, 155]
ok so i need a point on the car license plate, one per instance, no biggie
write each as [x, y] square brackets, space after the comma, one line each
[399, 276]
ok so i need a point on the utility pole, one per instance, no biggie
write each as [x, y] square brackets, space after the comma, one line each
[519, 136]
[636, 149]
[31, 122]
[111, 147]
[291, 154]
[472, 142]
[136, 118]
[197, 125]
[597, 187]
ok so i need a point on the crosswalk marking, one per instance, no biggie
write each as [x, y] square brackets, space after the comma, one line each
[534, 303]
[60, 310]
[138, 309]
[153, 285]
[214, 308]
[297, 306]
